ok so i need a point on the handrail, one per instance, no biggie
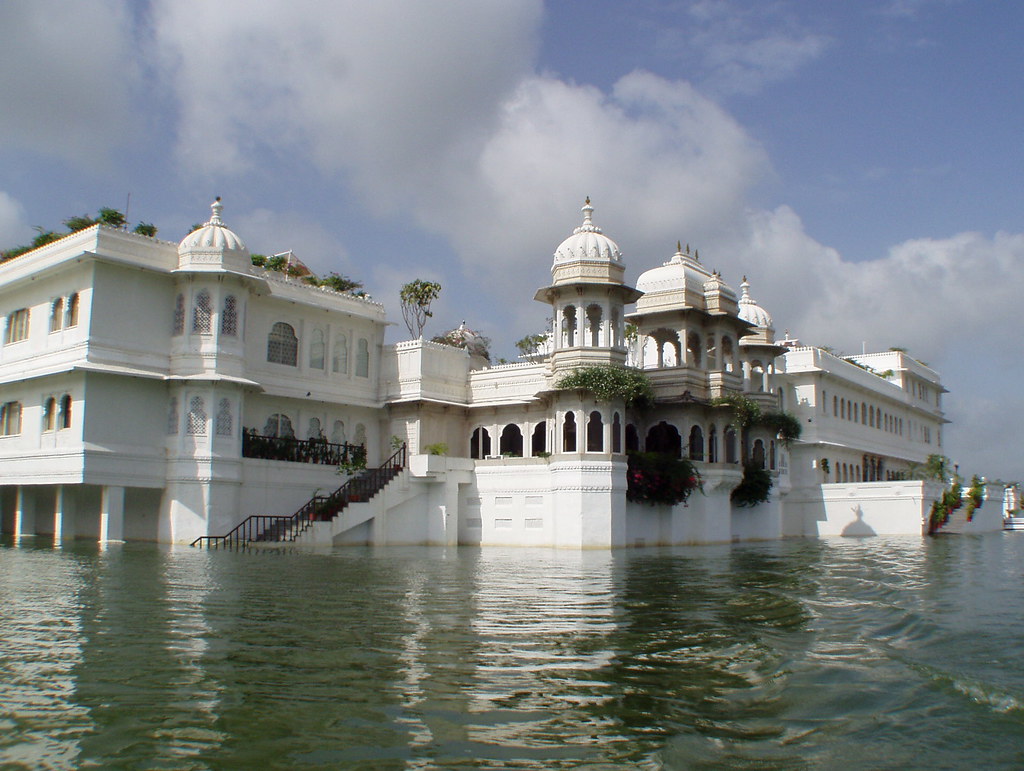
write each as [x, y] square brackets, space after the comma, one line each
[255, 445]
[319, 508]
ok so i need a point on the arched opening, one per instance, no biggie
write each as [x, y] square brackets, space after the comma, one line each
[314, 431]
[362, 358]
[202, 314]
[57, 314]
[511, 441]
[282, 345]
[728, 360]
[65, 412]
[338, 435]
[713, 445]
[223, 425]
[279, 425]
[569, 326]
[771, 454]
[731, 455]
[229, 317]
[594, 315]
[693, 349]
[339, 358]
[595, 432]
[71, 311]
[757, 454]
[696, 443]
[179, 316]
[712, 350]
[50, 414]
[616, 433]
[757, 375]
[480, 443]
[196, 421]
[632, 438]
[569, 433]
[539, 441]
[317, 350]
[664, 438]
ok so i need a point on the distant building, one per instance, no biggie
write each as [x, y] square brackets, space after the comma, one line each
[156, 391]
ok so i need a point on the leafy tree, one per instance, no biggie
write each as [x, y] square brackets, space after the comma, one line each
[935, 467]
[529, 347]
[74, 224]
[416, 298]
[259, 260]
[112, 217]
[755, 487]
[145, 229]
[340, 283]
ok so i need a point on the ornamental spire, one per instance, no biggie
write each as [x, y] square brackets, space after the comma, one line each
[216, 207]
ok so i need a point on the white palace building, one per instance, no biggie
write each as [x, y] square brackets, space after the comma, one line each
[164, 392]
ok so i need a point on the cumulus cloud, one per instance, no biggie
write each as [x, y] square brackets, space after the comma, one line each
[67, 72]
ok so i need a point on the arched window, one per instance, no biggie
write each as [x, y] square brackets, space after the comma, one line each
[728, 361]
[712, 351]
[863, 414]
[10, 418]
[202, 314]
[693, 349]
[855, 412]
[757, 375]
[668, 354]
[172, 416]
[594, 315]
[616, 433]
[224, 423]
[569, 433]
[64, 420]
[595, 432]
[511, 441]
[613, 329]
[283, 345]
[280, 425]
[480, 443]
[50, 414]
[632, 438]
[314, 431]
[360, 434]
[539, 441]
[179, 316]
[871, 416]
[363, 358]
[57, 314]
[835, 406]
[229, 317]
[317, 350]
[731, 456]
[713, 445]
[339, 359]
[664, 438]
[696, 443]
[338, 435]
[196, 422]
[71, 311]
[757, 454]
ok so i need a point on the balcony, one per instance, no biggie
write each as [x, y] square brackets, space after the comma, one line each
[320, 451]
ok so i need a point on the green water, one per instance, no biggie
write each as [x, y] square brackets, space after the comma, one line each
[875, 653]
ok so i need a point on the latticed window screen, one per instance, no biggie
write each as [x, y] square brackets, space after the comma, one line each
[224, 421]
[202, 314]
[172, 416]
[229, 317]
[283, 345]
[179, 315]
[196, 417]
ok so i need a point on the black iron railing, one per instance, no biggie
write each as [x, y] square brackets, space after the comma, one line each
[256, 445]
[269, 528]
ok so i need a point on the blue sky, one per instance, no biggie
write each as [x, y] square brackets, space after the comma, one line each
[859, 161]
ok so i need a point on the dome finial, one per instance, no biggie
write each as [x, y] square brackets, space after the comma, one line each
[679, 247]
[216, 208]
[588, 212]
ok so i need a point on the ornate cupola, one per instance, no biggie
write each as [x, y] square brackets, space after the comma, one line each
[587, 295]
[214, 247]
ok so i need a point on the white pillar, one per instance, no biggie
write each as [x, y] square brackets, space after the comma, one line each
[21, 525]
[58, 515]
[112, 514]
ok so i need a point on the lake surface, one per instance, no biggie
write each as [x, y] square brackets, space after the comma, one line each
[869, 653]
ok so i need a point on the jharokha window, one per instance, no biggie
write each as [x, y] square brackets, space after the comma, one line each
[17, 326]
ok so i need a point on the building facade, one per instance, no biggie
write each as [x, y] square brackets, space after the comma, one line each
[161, 391]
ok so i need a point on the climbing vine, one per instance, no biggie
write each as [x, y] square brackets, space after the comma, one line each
[608, 383]
[755, 487]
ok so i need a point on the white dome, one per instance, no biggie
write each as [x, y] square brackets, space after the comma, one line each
[214, 236]
[683, 272]
[587, 242]
[752, 312]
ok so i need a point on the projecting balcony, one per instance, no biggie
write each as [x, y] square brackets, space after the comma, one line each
[320, 451]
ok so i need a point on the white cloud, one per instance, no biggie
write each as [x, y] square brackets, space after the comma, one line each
[13, 230]
[66, 76]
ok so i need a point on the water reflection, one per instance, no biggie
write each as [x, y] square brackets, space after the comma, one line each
[802, 654]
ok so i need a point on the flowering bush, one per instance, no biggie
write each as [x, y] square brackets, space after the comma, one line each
[655, 478]
[951, 500]
[607, 382]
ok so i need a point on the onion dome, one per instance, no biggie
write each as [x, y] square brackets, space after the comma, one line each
[750, 310]
[587, 242]
[213, 246]
[680, 281]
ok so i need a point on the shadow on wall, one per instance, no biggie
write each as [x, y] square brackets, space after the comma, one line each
[858, 528]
